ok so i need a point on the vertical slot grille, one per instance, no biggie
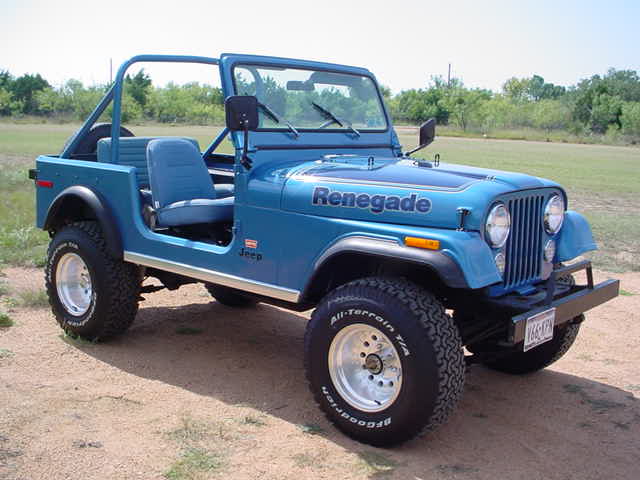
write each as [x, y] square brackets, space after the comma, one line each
[524, 245]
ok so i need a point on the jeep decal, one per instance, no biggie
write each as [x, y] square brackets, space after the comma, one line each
[376, 203]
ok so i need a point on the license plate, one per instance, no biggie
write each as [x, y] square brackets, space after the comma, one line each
[539, 329]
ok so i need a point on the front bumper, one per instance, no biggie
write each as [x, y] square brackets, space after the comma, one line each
[570, 301]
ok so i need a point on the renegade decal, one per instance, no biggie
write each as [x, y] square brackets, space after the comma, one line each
[375, 203]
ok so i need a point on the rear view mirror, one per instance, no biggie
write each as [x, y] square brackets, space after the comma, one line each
[298, 86]
[241, 112]
[427, 134]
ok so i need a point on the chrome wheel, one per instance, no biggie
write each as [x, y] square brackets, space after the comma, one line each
[73, 284]
[365, 367]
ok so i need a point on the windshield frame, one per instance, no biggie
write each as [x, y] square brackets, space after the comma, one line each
[283, 65]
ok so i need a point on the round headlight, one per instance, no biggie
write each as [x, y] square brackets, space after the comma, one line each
[498, 225]
[554, 214]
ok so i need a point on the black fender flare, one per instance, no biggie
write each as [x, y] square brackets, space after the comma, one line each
[99, 206]
[442, 265]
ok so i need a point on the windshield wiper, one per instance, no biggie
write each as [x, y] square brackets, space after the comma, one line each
[330, 116]
[274, 116]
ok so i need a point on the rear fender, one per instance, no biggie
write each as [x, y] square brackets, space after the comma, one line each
[80, 203]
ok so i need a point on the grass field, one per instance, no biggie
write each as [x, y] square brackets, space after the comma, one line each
[603, 182]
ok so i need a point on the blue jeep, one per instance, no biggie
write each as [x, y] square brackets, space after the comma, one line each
[321, 208]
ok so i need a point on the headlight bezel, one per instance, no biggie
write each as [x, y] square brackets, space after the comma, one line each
[490, 220]
[546, 215]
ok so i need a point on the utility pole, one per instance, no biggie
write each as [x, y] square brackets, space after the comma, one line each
[110, 71]
[449, 77]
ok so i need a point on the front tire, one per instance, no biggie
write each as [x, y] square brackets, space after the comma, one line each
[542, 356]
[521, 363]
[383, 360]
[92, 295]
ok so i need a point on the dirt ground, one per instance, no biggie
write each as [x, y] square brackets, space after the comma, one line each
[196, 389]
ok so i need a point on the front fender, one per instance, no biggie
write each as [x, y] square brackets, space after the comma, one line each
[463, 261]
[575, 237]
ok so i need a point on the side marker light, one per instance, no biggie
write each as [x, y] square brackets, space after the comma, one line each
[418, 242]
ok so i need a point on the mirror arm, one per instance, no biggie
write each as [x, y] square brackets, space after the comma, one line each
[246, 161]
[420, 147]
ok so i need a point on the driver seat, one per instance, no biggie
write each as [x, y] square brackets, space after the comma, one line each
[181, 188]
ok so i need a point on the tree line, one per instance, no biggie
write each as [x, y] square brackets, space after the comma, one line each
[190, 103]
[599, 105]
[608, 104]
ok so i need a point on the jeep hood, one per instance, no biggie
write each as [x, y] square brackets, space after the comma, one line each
[400, 191]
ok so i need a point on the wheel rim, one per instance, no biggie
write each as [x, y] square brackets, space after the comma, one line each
[73, 284]
[365, 367]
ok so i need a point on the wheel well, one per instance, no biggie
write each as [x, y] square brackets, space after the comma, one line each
[70, 209]
[345, 267]
[79, 203]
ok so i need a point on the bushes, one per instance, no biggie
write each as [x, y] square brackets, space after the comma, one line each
[630, 118]
[189, 103]
[598, 108]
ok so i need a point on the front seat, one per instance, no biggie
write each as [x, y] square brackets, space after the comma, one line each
[181, 188]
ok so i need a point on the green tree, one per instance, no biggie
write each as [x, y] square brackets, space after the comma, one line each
[24, 89]
[138, 87]
[606, 110]
[6, 80]
[630, 118]
[386, 92]
[6, 101]
[550, 115]
[463, 105]
[516, 89]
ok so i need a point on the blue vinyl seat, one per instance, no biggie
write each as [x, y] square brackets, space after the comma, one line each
[133, 153]
[181, 187]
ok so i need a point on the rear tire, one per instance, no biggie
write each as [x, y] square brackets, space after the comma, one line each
[89, 143]
[229, 297]
[383, 360]
[92, 295]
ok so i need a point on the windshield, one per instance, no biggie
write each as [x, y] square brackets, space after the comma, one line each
[311, 99]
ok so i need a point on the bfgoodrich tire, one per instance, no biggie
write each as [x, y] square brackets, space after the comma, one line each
[92, 295]
[520, 363]
[383, 360]
[539, 357]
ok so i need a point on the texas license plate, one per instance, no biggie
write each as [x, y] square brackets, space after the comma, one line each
[539, 329]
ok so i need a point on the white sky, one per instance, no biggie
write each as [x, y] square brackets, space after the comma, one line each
[402, 42]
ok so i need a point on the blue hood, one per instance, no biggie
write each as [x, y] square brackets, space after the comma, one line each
[400, 191]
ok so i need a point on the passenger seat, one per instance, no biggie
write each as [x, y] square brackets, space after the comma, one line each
[181, 188]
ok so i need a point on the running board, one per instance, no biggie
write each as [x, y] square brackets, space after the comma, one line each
[211, 276]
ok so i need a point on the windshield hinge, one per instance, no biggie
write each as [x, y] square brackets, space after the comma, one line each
[463, 212]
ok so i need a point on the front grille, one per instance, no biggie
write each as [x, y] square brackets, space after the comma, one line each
[524, 245]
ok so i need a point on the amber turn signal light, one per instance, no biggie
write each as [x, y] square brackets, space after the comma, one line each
[422, 243]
